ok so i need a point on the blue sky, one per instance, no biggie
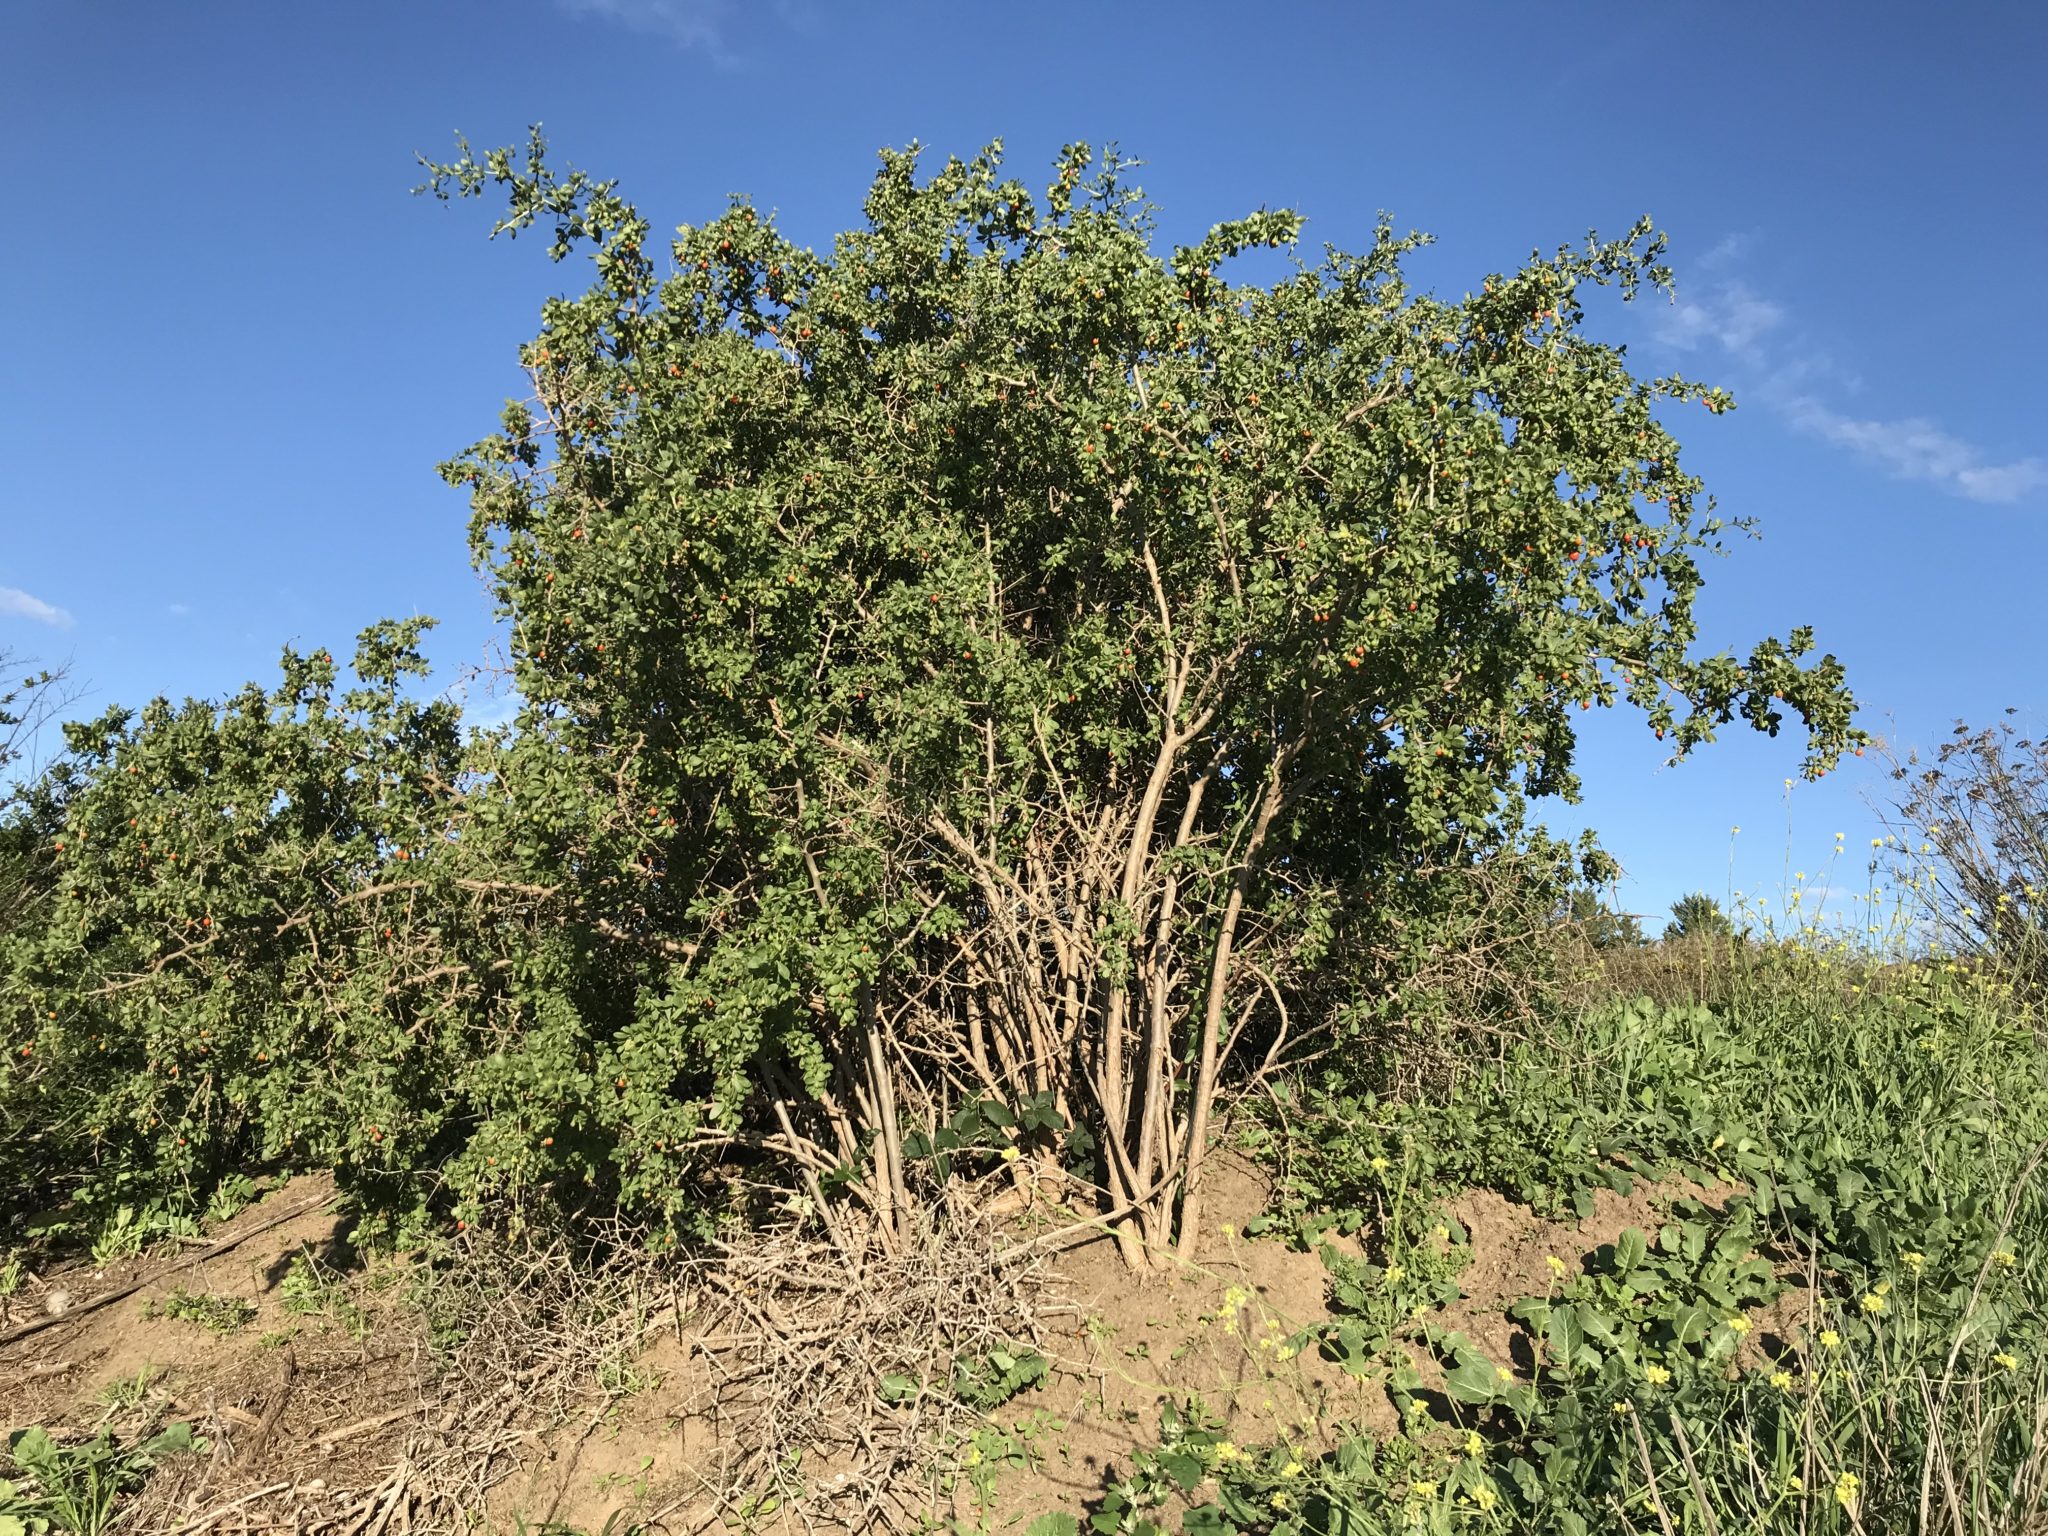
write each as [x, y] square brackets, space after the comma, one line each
[235, 346]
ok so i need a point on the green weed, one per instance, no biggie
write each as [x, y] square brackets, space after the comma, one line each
[75, 1488]
[126, 1392]
[1852, 1336]
[311, 1289]
[221, 1314]
[233, 1195]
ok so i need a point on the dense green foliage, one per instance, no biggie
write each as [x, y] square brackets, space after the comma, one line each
[1853, 1336]
[1032, 664]
[1698, 916]
[28, 697]
[992, 673]
[230, 966]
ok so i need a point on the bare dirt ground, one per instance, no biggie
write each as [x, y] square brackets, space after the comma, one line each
[505, 1398]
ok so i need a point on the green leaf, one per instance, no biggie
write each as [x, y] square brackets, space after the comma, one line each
[34, 1450]
[1186, 1471]
[895, 1387]
[1629, 1250]
[1474, 1380]
[1690, 1324]
[1351, 1347]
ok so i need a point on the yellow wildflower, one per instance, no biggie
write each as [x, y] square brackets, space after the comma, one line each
[2006, 1361]
[1278, 1501]
[1782, 1380]
[2005, 1258]
[1422, 1490]
[1739, 1325]
[1292, 1469]
[1623, 1407]
[1394, 1274]
[1845, 1489]
[1485, 1498]
[1379, 1165]
[1474, 1445]
[1555, 1263]
[1873, 1303]
[1829, 1339]
[1656, 1375]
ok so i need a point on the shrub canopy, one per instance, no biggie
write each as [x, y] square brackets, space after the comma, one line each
[988, 687]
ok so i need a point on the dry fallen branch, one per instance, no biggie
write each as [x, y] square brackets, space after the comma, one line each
[214, 1251]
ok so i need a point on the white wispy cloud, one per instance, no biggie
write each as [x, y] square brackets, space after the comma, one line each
[688, 23]
[1731, 316]
[15, 603]
[178, 610]
[1787, 370]
[1917, 449]
[1727, 249]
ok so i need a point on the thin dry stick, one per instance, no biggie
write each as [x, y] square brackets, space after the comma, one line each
[1937, 1451]
[1692, 1473]
[364, 1426]
[192, 1527]
[266, 1425]
[1650, 1472]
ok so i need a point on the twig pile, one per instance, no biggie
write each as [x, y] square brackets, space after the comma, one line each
[819, 1381]
[831, 1387]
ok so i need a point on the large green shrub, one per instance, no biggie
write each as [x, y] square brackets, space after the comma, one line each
[990, 688]
[1021, 663]
[258, 943]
